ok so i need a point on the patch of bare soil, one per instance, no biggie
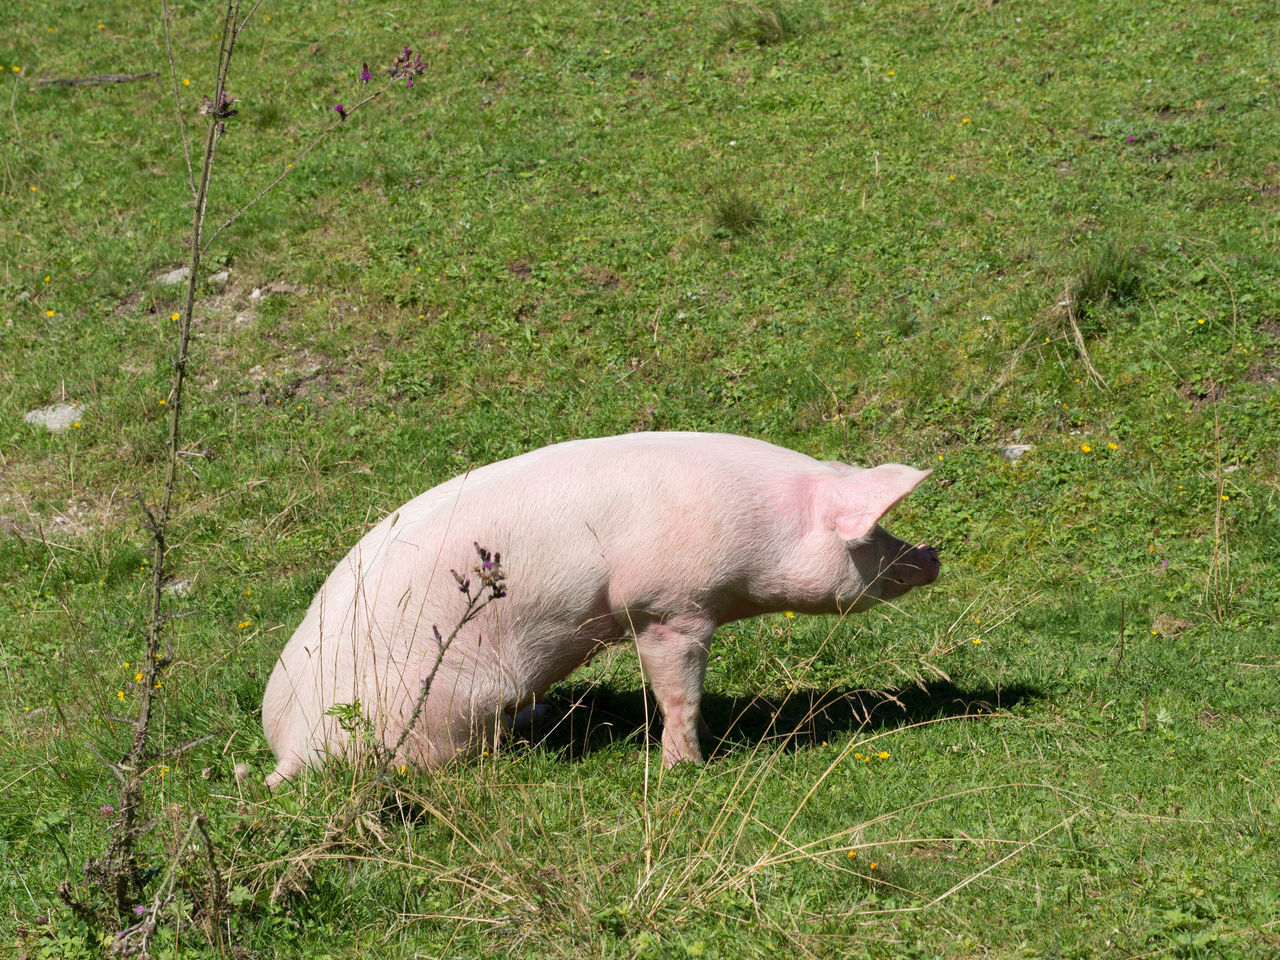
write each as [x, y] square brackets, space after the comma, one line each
[1201, 392]
[1267, 370]
[600, 277]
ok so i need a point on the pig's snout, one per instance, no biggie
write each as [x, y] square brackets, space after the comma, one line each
[930, 565]
[915, 567]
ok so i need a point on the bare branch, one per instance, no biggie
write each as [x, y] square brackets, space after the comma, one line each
[96, 80]
[177, 97]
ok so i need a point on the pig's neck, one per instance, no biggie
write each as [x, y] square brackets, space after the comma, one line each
[798, 578]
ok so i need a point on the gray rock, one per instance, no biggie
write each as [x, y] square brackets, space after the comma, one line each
[173, 276]
[220, 278]
[56, 416]
[1014, 451]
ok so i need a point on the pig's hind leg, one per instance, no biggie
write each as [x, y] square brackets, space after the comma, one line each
[673, 655]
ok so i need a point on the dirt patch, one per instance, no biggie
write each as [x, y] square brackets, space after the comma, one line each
[601, 278]
[304, 375]
[319, 381]
[1269, 184]
[1210, 718]
[1169, 626]
[1267, 370]
[1201, 392]
[57, 522]
[520, 269]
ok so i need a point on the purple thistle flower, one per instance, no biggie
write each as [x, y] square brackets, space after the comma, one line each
[408, 81]
[1164, 563]
[140, 910]
[1130, 139]
[464, 584]
[342, 112]
[107, 809]
[365, 75]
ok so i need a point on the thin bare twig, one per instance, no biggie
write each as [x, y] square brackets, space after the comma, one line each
[96, 80]
[118, 868]
[177, 98]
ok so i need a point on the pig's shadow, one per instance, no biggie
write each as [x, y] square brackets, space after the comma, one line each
[581, 718]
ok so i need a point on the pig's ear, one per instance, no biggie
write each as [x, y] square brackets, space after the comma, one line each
[863, 498]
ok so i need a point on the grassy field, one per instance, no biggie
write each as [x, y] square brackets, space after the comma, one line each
[913, 232]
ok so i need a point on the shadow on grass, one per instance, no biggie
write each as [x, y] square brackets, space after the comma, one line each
[582, 718]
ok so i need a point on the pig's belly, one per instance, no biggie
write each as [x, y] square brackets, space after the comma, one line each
[550, 654]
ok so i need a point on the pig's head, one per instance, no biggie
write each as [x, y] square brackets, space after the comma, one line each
[880, 566]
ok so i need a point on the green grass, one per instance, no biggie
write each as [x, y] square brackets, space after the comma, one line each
[943, 218]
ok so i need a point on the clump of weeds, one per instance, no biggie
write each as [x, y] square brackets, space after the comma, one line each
[756, 24]
[734, 215]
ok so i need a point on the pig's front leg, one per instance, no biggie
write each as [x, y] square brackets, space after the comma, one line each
[673, 654]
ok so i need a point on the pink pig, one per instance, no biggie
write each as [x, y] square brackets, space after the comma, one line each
[655, 537]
